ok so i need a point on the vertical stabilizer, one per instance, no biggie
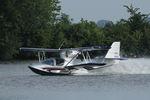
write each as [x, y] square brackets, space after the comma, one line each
[114, 51]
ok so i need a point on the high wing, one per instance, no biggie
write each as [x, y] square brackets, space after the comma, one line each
[66, 49]
[90, 48]
[40, 49]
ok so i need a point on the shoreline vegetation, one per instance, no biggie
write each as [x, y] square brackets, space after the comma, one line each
[39, 24]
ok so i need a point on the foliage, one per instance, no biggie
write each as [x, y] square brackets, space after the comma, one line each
[26, 23]
[39, 24]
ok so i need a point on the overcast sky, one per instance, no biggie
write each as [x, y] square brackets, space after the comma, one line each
[94, 10]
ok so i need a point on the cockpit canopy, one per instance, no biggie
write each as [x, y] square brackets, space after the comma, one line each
[54, 62]
[68, 54]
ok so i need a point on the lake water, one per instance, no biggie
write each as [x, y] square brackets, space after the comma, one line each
[130, 80]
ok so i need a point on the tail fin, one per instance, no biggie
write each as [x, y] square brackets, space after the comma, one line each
[114, 51]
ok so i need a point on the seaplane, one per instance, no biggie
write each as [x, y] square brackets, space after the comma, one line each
[72, 60]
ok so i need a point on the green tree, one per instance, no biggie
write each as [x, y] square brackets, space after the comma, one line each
[39, 18]
[137, 24]
[9, 29]
[26, 23]
[130, 32]
[136, 21]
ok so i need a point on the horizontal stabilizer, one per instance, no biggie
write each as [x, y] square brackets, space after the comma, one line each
[123, 59]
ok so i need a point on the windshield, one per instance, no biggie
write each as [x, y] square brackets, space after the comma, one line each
[49, 62]
[54, 62]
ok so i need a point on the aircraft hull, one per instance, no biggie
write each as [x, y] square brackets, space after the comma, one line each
[64, 71]
[42, 72]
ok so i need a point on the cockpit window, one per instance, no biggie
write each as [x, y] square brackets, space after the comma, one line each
[59, 62]
[54, 62]
[49, 62]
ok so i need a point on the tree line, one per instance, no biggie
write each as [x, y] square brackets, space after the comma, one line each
[30, 23]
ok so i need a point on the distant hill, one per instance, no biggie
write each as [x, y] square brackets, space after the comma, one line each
[148, 19]
[102, 23]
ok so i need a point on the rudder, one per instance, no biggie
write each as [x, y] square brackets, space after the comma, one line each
[114, 51]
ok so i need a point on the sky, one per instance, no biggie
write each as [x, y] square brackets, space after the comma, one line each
[94, 10]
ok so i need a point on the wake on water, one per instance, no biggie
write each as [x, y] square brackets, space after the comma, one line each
[130, 66]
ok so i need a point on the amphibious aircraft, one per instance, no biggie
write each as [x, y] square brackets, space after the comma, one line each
[73, 59]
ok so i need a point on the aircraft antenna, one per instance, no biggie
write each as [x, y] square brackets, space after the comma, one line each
[61, 44]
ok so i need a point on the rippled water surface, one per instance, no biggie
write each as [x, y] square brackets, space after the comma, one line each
[130, 80]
